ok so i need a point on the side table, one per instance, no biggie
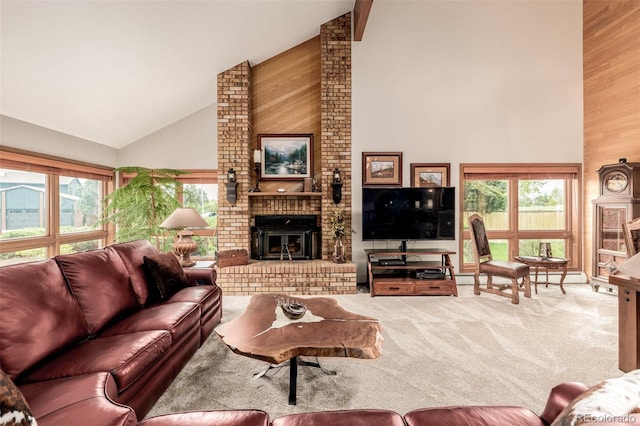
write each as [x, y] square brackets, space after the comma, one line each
[547, 263]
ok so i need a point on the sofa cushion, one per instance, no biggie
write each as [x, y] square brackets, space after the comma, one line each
[14, 410]
[132, 254]
[613, 400]
[177, 318]
[78, 401]
[342, 418]
[125, 356]
[207, 296]
[473, 416]
[210, 418]
[166, 273]
[44, 316]
[100, 283]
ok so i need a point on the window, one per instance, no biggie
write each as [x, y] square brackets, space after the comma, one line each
[204, 198]
[523, 205]
[199, 190]
[49, 206]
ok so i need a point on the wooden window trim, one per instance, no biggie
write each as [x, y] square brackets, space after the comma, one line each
[570, 172]
[54, 167]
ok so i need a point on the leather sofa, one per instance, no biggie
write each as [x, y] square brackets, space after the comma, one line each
[558, 399]
[87, 344]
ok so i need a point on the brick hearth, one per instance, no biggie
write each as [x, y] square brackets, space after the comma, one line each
[300, 277]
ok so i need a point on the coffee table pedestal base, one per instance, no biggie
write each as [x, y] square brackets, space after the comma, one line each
[293, 364]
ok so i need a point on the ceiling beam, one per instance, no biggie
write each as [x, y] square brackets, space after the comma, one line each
[360, 15]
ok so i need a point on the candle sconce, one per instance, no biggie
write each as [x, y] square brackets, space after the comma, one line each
[257, 154]
[232, 186]
[336, 185]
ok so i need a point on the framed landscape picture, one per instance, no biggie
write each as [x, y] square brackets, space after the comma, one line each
[288, 156]
[382, 168]
[429, 174]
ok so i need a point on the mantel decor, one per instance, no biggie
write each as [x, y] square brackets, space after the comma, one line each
[429, 174]
[286, 156]
[382, 168]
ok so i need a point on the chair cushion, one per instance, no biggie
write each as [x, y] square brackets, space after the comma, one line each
[132, 254]
[39, 315]
[14, 410]
[164, 270]
[473, 416]
[100, 282]
[210, 418]
[504, 269]
[613, 400]
[342, 418]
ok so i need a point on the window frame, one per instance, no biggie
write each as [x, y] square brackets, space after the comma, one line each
[54, 167]
[572, 233]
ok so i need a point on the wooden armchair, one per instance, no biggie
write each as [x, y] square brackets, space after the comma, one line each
[632, 236]
[485, 264]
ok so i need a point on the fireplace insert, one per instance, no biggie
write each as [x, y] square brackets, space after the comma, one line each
[285, 237]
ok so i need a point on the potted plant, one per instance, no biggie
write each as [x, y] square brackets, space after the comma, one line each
[139, 207]
[338, 230]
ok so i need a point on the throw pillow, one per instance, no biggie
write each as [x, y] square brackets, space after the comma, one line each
[14, 410]
[612, 401]
[165, 273]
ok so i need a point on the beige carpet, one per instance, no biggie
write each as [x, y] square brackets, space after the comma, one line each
[437, 351]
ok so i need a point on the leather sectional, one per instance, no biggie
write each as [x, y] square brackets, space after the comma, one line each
[87, 345]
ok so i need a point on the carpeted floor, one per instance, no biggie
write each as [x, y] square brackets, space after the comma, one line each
[437, 351]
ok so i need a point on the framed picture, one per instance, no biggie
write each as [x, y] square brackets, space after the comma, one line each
[425, 174]
[382, 168]
[288, 156]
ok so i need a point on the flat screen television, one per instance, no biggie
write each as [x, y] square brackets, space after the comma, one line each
[408, 213]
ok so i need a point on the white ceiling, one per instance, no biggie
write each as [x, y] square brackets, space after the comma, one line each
[115, 71]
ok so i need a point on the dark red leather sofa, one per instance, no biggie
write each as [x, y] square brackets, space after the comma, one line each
[85, 342]
[559, 398]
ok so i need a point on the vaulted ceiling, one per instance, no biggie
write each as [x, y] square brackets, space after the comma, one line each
[115, 71]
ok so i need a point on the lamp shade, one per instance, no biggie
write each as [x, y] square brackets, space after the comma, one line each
[184, 218]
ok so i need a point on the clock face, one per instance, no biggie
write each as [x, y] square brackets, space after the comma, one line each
[616, 182]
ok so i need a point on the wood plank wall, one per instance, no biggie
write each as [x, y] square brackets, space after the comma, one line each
[611, 71]
[286, 99]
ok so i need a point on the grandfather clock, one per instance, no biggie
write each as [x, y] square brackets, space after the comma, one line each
[618, 202]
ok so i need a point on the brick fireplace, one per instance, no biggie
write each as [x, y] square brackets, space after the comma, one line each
[313, 95]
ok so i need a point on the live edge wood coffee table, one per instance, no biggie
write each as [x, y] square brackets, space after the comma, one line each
[326, 330]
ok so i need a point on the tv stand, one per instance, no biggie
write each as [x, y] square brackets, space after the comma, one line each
[413, 277]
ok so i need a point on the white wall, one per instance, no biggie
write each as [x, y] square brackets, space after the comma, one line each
[20, 134]
[465, 82]
[190, 143]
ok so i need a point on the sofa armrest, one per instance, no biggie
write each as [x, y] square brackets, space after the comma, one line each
[560, 397]
[201, 276]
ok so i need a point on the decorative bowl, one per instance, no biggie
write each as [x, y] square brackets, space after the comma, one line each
[292, 309]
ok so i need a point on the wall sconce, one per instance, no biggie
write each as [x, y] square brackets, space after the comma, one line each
[232, 186]
[257, 158]
[336, 185]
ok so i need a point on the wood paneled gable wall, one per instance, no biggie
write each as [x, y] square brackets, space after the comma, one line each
[611, 72]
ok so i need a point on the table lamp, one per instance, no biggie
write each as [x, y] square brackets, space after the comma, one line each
[182, 218]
